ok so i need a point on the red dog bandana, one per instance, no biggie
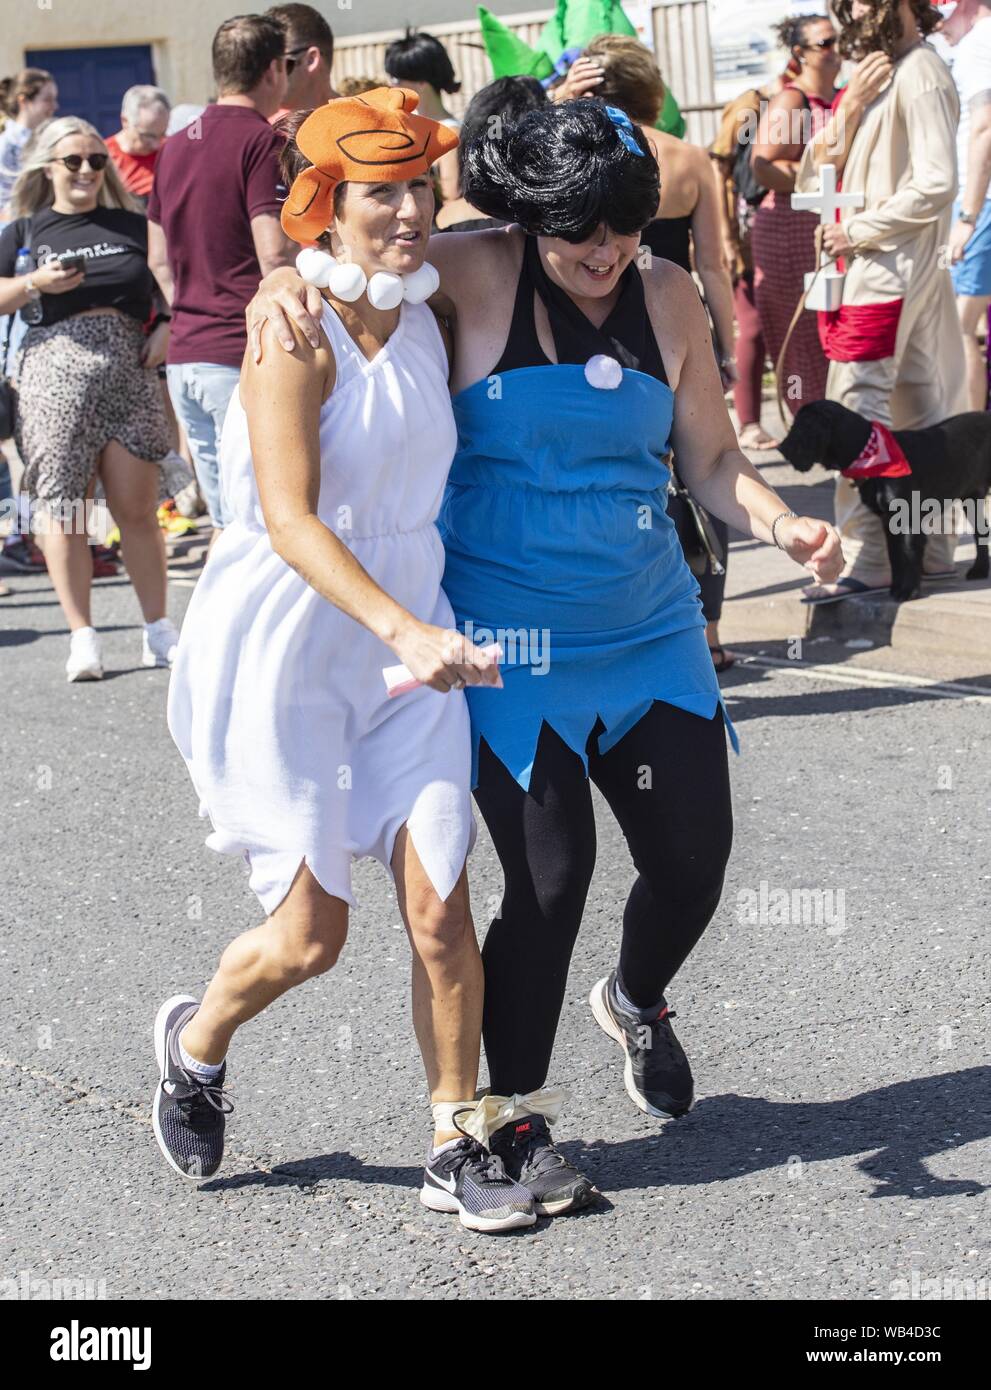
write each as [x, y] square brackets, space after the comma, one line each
[882, 457]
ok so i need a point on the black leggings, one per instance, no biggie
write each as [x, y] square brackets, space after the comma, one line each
[667, 784]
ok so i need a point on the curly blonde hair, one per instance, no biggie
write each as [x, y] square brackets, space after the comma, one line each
[34, 191]
[631, 79]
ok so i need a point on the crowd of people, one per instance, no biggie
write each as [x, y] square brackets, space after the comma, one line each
[397, 456]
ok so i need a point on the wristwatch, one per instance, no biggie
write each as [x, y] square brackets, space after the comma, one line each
[970, 218]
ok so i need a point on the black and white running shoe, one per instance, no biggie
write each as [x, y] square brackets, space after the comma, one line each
[530, 1158]
[466, 1178]
[657, 1075]
[188, 1114]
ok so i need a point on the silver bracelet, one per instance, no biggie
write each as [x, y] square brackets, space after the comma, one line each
[774, 526]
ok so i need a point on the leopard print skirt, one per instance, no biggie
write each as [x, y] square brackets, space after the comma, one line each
[80, 384]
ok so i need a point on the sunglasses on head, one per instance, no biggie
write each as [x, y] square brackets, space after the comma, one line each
[823, 43]
[74, 162]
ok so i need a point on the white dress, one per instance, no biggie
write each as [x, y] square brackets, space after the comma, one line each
[277, 701]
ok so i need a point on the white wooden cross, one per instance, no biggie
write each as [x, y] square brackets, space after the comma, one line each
[827, 290]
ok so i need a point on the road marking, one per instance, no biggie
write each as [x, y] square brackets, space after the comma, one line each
[976, 694]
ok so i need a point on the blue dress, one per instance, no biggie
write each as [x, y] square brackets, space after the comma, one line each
[560, 547]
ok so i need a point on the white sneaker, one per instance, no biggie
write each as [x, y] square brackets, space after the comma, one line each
[159, 642]
[85, 662]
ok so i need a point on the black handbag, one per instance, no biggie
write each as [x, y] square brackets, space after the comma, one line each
[704, 552]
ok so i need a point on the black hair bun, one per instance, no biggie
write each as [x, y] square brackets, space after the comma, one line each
[562, 171]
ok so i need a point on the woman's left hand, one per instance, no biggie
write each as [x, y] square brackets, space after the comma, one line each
[156, 346]
[836, 242]
[814, 544]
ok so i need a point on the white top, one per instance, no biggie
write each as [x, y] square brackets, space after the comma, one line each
[277, 701]
[13, 138]
[971, 70]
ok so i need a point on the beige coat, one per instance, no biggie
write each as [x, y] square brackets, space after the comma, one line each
[903, 158]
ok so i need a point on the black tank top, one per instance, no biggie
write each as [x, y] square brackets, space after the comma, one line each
[626, 334]
[670, 238]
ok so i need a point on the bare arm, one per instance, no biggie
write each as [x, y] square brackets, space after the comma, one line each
[709, 461]
[710, 262]
[283, 396]
[158, 261]
[49, 279]
[286, 301]
[728, 225]
[775, 155]
[272, 247]
[449, 176]
[978, 171]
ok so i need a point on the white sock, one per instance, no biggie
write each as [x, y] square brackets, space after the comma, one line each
[206, 1071]
[441, 1147]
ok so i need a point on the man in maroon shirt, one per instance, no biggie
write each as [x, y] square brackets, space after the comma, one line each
[214, 231]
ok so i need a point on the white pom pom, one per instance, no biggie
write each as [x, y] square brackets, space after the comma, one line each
[602, 372]
[347, 281]
[420, 284]
[385, 290]
[315, 266]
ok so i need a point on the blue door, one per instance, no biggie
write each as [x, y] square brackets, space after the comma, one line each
[91, 81]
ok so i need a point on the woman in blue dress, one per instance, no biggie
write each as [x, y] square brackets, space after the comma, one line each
[577, 371]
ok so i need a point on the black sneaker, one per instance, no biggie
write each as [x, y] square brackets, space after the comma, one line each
[529, 1156]
[23, 555]
[657, 1075]
[188, 1114]
[466, 1178]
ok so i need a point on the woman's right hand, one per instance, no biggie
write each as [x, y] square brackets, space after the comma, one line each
[581, 80]
[869, 78]
[282, 296]
[444, 659]
[55, 279]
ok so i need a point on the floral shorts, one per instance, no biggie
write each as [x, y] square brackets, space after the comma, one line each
[80, 384]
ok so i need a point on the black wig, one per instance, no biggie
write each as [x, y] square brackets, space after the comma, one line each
[504, 100]
[562, 171]
[419, 57]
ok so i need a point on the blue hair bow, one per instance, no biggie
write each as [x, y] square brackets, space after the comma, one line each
[624, 128]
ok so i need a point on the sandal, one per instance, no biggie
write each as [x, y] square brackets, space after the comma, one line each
[847, 588]
[725, 659]
[758, 440]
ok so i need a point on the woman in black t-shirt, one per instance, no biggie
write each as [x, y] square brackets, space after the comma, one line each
[88, 400]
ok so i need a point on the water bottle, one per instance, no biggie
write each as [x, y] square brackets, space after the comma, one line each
[33, 311]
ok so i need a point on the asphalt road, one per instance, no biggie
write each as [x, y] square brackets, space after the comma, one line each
[838, 1036]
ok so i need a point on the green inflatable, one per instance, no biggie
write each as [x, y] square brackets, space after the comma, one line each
[573, 24]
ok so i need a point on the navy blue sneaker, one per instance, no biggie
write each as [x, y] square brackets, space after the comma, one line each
[188, 1114]
[529, 1156]
[656, 1071]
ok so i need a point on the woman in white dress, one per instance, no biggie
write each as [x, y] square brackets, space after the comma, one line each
[335, 460]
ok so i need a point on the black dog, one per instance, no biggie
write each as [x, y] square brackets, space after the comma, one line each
[949, 460]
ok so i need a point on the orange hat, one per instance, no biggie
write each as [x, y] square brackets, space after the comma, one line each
[371, 138]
